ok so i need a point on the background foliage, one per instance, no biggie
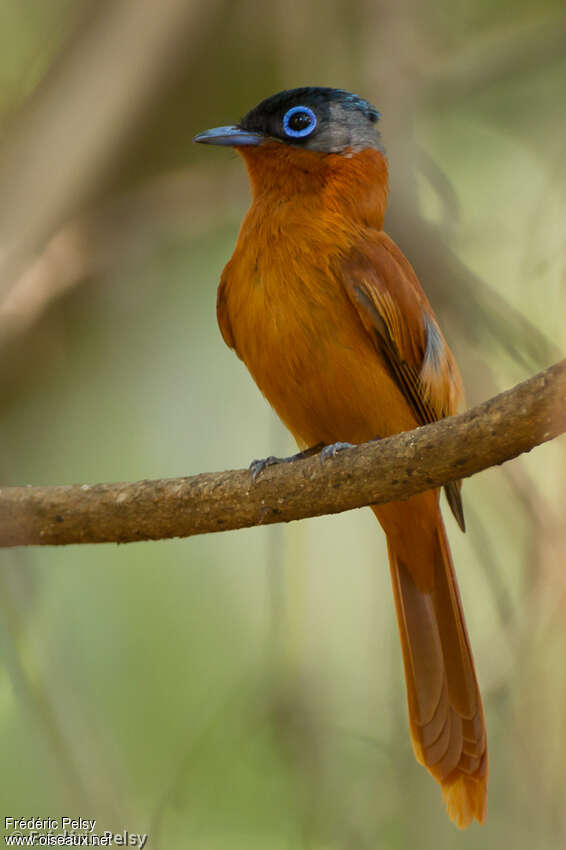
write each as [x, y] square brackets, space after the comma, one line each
[245, 690]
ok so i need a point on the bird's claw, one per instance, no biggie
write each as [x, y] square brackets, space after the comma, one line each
[332, 450]
[257, 466]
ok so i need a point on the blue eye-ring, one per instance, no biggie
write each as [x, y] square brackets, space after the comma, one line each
[299, 121]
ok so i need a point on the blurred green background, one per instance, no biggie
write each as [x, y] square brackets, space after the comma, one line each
[245, 690]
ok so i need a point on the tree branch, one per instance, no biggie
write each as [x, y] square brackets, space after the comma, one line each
[395, 468]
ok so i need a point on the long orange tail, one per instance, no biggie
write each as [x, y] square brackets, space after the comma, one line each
[445, 708]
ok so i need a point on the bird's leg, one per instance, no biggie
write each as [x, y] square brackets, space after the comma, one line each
[257, 466]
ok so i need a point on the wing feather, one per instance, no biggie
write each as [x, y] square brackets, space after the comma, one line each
[394, 310]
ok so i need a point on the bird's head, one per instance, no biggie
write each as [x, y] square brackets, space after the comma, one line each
[317, 143]
[322, 120]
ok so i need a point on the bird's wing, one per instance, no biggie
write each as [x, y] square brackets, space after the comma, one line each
[394, 310]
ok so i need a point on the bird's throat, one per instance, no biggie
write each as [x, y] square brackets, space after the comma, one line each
[329, 187]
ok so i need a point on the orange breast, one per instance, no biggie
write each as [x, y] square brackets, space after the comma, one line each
[300, 337]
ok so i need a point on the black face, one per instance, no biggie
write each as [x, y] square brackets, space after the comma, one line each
[320, 119]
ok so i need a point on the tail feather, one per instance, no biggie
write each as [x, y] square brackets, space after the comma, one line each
[445, 708]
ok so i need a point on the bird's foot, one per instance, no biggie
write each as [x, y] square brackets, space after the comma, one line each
[257, 466]
[332, 450]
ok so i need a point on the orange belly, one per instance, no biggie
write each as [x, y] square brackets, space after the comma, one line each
[307, 350]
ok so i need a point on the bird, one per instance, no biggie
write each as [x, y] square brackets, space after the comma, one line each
[333, 325]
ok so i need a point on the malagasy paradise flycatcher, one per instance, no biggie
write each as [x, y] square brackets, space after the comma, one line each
[330, 319]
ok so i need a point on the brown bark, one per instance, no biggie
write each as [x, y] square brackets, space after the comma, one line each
[507, 425]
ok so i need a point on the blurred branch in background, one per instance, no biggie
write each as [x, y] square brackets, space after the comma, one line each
[375, 473]
[72, 130]
[119, 233]
[520, 47]
[446, 80]
[79, 753]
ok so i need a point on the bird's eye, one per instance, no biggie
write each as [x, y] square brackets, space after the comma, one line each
[299, 122]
